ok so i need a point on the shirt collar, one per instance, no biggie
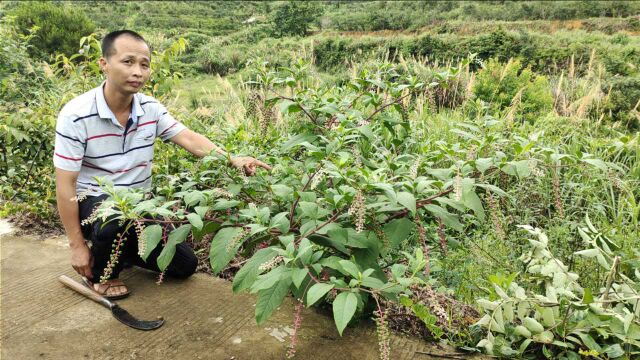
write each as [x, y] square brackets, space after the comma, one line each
[105, 112]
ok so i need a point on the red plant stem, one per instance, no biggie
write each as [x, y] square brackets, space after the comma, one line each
[295, 203]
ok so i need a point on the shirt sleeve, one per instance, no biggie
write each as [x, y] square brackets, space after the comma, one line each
[69, 145]
[168, 126]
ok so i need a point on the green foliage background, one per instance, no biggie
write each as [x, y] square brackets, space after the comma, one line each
[500, 137]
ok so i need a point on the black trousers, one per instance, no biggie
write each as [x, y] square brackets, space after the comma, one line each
[104, 235]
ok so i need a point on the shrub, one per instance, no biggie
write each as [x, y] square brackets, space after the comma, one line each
[60, 28]
[294, 18]
[622, 102]
[506, 86]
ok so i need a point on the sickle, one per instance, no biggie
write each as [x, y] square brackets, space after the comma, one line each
[119, 313]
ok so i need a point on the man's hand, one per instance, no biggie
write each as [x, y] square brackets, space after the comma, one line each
[82, 260]
[248, 164]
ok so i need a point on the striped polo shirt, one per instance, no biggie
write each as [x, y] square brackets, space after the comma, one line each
[90, 140]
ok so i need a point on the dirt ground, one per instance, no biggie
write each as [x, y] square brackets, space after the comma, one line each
[41, 319]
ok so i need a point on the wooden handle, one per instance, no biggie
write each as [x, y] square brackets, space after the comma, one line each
[74, 285]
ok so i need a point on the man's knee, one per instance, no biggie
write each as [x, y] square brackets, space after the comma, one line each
[185, 262]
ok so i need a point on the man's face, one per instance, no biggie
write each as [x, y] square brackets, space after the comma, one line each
[128, 69]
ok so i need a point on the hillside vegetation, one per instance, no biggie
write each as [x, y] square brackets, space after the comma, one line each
[468, 175]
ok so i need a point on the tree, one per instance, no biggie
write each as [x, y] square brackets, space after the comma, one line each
[59, 28]
[295, 18]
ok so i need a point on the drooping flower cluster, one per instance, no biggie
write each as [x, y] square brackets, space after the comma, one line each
[413, 172]
[222, 193]
[357, 162]
[91, 218]
[297, 321]
[317, 179]
[357, 211]
[142, 241]
[422, 235]
[556, 193]
[457, 187]
[535, 170]
[267, 266]
[442, 237]
[236, 239]
[114, 258]
[383, 334]
[494, 210]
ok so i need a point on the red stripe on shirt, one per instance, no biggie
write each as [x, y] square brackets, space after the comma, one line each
[137, 166]
[174, 124]
[67, 158]
[147, 123]
[103, 135]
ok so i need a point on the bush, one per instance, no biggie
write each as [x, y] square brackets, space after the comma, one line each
[294, 18]
[505, 86]
[622, 102]
[60, 28]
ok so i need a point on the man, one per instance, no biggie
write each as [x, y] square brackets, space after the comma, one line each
[109, 132]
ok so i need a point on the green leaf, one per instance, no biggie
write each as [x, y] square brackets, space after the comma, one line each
[169, 250]
[269, 299]
[248, 274]
[587, 298]
[298, 276]
[407, 200]
[219, 256]
[317, 291]
[282, 191]
[588, 341]
[225, 204]
[195, 220]
[267, 280]
[297, 140]
[281, 222]
[288, 106]
[202, 210]
[449, 219]
[350, 268]
[344, 307]
[152, 236]
[398, 230]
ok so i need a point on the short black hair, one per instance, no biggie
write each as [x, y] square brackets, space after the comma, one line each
[107, 42]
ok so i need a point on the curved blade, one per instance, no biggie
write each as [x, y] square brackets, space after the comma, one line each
[124, 317]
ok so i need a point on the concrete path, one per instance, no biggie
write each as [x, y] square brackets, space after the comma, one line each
[41, 319]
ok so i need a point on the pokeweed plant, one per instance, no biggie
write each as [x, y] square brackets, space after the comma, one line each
[341, 217]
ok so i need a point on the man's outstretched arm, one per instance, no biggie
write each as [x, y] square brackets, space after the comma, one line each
[69, 214]
[200, 146]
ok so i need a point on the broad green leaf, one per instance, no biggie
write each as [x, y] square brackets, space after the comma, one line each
[267, 280]
[225, 204]
[195, 220]
[270, 299]
[398, 230]
[152, 236]
[281, 222]
[407, 200]
[202, 210]
[175, 237]
[350, 268]
[248, 274]
[344, 307]
[298, 276]
[317, 291]
[282, 191]
[297, 140]
[449, 219]
[221, 250]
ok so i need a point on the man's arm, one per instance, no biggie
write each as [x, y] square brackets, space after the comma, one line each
[200, 146]
[81, 258]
